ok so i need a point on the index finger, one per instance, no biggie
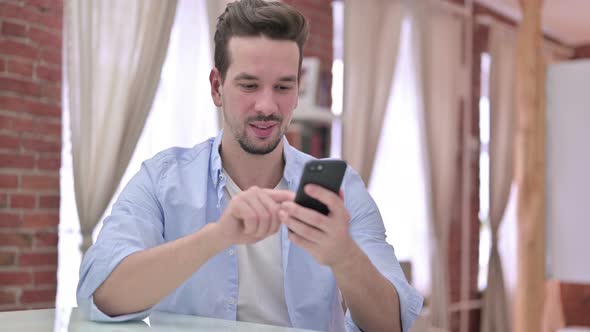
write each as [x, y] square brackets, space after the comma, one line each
[279, 195]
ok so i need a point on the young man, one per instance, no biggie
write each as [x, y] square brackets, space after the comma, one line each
[205, 231]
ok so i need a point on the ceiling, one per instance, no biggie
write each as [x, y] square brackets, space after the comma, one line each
[568, 21]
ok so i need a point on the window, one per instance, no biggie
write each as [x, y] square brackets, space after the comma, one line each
[507, 232]
[399, 163]
[337, 79]
[398, 178]
[484, 172]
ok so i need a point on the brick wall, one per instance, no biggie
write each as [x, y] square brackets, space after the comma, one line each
[30, 145]
[320, 41]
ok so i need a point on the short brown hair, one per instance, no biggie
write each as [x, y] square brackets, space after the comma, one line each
[250, 18]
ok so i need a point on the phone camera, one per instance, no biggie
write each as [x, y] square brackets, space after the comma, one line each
[316, 168]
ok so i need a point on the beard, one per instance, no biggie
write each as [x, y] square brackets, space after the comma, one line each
[251, 147]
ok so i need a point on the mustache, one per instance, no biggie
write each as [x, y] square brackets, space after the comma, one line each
[260, 117]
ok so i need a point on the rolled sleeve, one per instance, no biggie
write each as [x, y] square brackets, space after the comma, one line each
[97, 266]
[409, 299]
[368, 231]
[135, 224]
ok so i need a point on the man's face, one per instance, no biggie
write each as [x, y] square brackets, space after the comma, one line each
[260, 91]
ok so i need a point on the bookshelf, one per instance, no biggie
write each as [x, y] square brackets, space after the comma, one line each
[314, 114]
[310, 130]
[311, 126]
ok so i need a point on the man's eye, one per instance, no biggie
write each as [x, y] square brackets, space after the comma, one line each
[284, 87]
[249, 86]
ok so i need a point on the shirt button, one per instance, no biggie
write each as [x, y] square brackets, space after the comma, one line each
[221, 176]
[231, 252]
[231, 301]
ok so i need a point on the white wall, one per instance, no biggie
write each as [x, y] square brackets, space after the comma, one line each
[568, 171]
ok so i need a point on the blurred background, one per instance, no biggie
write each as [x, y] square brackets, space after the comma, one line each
[465, 119]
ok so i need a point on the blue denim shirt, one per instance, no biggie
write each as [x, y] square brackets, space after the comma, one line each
[179, 191]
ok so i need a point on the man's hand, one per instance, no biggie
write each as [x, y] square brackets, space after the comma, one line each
[252, 215]
[366, 292]
[145, 277]
[326, 238]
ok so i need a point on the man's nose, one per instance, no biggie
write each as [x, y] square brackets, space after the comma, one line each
[266, 102]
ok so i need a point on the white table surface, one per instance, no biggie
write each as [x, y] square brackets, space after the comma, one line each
[68, 319]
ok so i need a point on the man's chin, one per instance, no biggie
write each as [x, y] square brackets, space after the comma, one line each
[259, 146]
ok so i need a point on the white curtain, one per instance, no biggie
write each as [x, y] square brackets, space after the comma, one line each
[115, 52]
[398, 178]
[370, 54]
[182, 115]
[438, 42]
[502, 48]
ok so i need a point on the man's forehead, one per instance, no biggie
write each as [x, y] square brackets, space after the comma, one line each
[250, 57]
[260, 39]
[262, 48]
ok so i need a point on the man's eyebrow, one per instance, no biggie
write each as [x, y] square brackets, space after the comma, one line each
[290, 78]
[249, 77]
[245, 76]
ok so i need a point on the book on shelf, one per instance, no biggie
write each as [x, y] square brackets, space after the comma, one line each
[313, 139]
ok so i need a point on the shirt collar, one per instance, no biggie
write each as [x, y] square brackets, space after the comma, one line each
[215, 159]
[292, 170]
[290, 173]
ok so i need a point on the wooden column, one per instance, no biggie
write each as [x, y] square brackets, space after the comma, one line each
[530, 169]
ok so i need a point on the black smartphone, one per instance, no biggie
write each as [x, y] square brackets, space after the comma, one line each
[327, 173]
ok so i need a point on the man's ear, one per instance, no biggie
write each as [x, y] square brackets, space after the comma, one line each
[297, 99]
[215, 82]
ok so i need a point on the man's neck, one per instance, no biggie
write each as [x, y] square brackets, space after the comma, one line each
[247, 170]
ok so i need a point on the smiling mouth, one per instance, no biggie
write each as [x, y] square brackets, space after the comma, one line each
[262, 126]
[263, 130]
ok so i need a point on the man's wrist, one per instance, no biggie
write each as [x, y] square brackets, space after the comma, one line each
[353, 255]
[219, 239]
